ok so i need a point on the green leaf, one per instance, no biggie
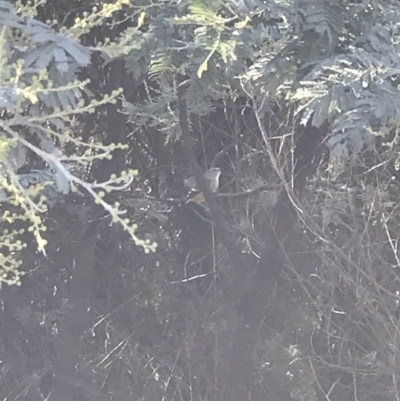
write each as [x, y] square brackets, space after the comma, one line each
[204, 65]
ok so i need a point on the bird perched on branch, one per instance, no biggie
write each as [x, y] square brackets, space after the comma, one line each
[211, 177]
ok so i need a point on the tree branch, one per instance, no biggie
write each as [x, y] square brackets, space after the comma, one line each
[227, 237]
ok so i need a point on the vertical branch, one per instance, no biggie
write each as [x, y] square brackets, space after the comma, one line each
[216, 210]
[241, 281]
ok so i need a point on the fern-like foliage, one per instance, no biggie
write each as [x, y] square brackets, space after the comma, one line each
[321, 19]
[40, 96]
[42, 48]
[340, 63]
[336, 60]
[205, 41]
[356, 91]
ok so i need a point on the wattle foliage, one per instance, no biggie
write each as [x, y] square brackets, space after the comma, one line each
[288, 289]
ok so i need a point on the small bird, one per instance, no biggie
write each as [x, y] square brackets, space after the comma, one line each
[211, 177]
